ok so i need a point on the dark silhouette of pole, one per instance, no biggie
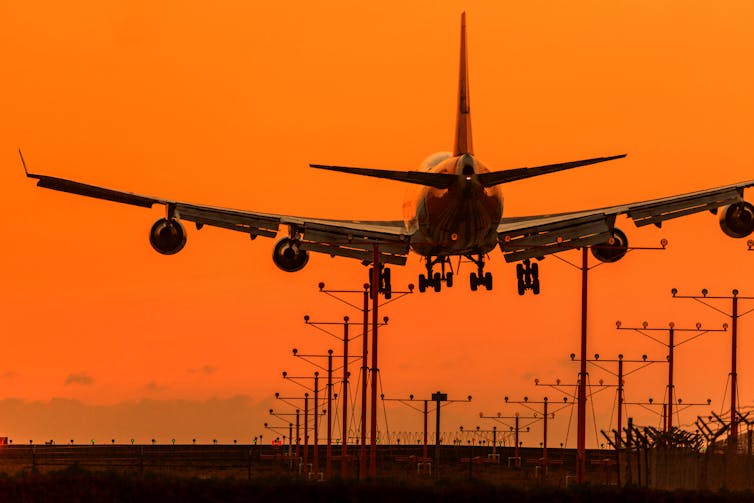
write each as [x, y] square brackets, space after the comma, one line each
[671, 345]
[373, 289]
[298, 433]
[734, 373]
[375, 368]
[315, 468]
[346, 375]
[364, 380]
[426, 414]
[328, 451]
[438, 398]
[581, 413]
[581, 394]
[306, 432]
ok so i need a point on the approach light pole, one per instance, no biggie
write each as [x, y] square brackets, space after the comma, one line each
[545, 416]
[515, 430]
[379, 284]
[734, 315]
[581, 394]
[671, 345]
[325, 328]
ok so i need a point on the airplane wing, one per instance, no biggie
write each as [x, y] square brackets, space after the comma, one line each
[346, 238]
[539, 235]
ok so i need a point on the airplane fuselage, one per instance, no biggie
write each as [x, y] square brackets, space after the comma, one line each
[459, 220]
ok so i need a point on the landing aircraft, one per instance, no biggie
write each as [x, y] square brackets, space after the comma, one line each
[459, 213]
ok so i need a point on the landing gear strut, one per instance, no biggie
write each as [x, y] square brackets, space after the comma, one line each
[385, 288]
[479, 278]
[435, 280]
[527, 275]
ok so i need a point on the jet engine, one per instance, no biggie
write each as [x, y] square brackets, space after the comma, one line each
[288, 255]
[737, 219]
[167, 236]
[614, 249]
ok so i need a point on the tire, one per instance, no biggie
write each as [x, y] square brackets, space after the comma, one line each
[535, 287]
[387, 287]
[519, 271]
[488, 281]
[422, 283]
[473, 282]
[521, 287]
[449, 279]
[535, 272]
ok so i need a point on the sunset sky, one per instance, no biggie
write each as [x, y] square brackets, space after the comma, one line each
[226, 103]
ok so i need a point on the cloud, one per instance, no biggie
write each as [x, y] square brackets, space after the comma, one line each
[62, 419]
[155, 386]
[80, 378]
[205, 369]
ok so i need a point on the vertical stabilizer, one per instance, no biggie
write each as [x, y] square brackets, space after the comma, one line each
[463, 143]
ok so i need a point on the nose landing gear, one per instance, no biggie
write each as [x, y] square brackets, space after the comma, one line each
[527, 275]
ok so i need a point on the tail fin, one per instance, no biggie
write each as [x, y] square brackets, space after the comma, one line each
[463, 144]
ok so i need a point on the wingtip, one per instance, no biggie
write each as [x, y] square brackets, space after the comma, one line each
[23, 162]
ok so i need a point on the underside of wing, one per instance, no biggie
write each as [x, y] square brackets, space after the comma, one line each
[346, 238]
[539, 235]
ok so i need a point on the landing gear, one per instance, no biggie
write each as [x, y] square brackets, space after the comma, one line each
[527, 276]
[384, 287]
[479, 278]
[435, 280]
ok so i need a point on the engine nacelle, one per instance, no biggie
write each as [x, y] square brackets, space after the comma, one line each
[737, 219]
[288, 255]
[614, 249]
[167, 236]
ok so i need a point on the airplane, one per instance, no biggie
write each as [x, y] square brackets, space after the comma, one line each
[459, 213]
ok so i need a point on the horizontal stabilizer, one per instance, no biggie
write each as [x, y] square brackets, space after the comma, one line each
[437, 180]
[511, 175]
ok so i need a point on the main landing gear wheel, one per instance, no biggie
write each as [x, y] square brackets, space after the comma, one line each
[384, 287]
[479, 278]
[434, 280]
[527, 277]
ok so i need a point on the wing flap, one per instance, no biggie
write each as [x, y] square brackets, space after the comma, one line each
[654, 213]
[356, 240]
[364, 256]
[255, 225]
[540, 240]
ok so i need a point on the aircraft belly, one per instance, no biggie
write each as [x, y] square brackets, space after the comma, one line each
[450, 224]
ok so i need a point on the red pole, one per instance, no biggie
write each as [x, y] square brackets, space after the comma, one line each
[544, 442]
[619, 433]
[364, 379]
[298, 433]
[671, 346]
[734, 376]
[315, 468]
[328, 451]
[518, 464]
[426, 414]
[581, 429]
[344, 432]
[306, 432]
[375, 369]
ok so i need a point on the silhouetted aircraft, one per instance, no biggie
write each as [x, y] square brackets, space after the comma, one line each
[458, 214]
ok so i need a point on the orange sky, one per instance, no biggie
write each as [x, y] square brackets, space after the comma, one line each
[226, 105]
